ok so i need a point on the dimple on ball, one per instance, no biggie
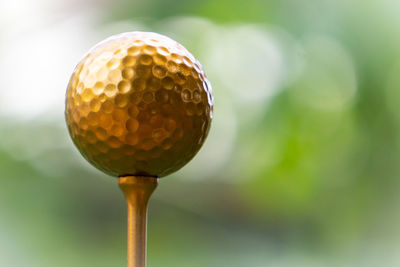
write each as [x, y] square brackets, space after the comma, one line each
[139, 104]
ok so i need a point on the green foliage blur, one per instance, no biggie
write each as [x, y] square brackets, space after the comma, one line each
[301, 164]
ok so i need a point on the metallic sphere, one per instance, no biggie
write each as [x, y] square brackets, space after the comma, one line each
[139, 104]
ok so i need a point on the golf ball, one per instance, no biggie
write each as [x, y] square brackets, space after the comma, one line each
[139, 104]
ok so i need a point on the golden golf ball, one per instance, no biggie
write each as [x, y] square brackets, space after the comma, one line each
[139, 103]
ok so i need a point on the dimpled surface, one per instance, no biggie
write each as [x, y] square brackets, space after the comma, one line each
[138, 104]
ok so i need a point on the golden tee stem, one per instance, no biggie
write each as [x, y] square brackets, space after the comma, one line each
[137, 191]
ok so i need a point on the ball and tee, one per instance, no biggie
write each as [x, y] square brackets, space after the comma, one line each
[139, 104]
[139, 107]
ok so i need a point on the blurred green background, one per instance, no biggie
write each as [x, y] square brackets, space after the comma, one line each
[301, 167]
